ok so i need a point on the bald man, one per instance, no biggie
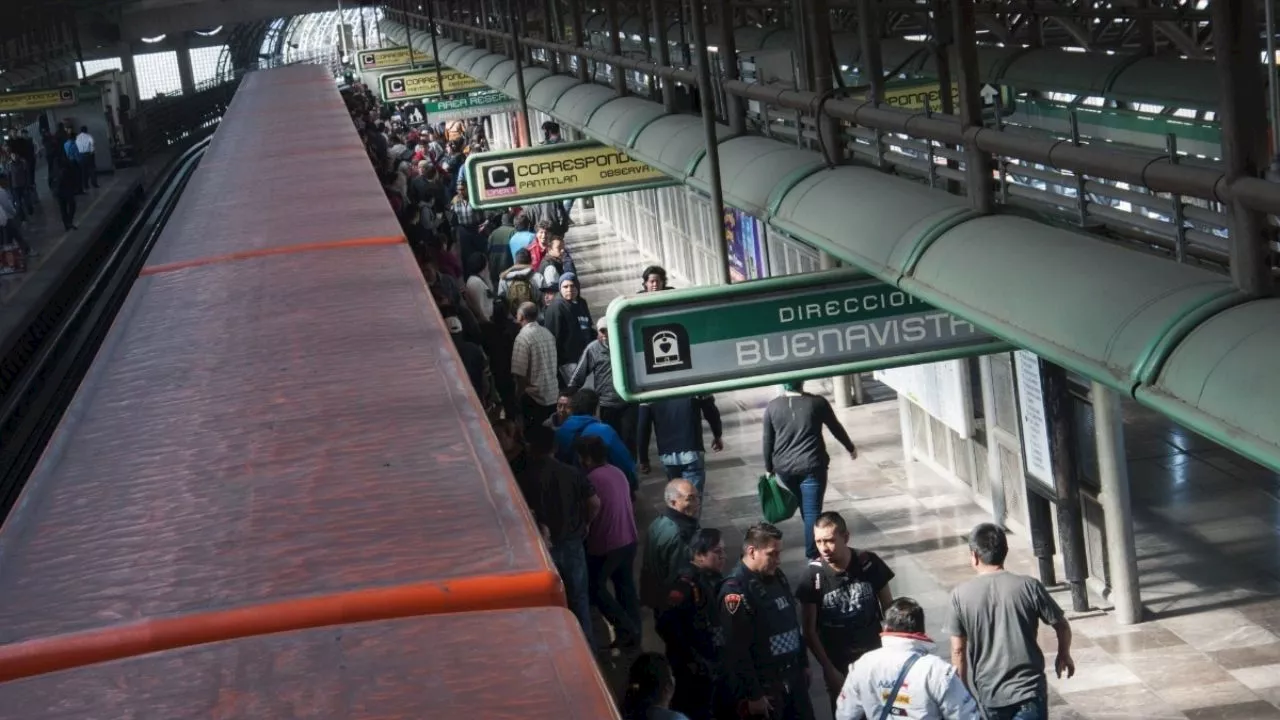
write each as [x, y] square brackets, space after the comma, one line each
[666, 548]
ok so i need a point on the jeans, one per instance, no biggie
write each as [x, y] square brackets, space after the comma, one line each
[621, 607]
[570, 558]
[695, 472]
[1034, 709]
[809, 488]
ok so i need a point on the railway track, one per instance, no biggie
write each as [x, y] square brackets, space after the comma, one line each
[42, 368]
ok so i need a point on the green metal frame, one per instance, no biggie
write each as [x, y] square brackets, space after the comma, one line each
[621, 310]
[468, 170]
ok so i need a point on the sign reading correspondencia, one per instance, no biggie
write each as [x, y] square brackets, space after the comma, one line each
[555, 172]
[37, 99]
[681, 342]
[388, 58]
[427, 83]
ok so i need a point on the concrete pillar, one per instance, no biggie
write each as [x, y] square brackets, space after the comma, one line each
[840, 383]
[1113, 475]
[185, 74]
[128, 66]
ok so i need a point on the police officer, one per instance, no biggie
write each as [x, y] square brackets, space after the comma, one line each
[764, 661]
[689, 626]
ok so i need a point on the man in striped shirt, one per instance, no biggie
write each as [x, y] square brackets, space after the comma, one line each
[533, 364]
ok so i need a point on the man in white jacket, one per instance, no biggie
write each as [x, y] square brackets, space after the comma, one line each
[930, 688]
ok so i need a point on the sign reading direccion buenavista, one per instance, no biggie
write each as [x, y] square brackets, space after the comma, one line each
[682, 342]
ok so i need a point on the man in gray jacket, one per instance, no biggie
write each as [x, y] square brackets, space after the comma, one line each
[595, 371]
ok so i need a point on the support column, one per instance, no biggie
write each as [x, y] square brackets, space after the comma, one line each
[663, 52]
[708, 109]
[516, 9]
[128, 66]
[615, 46]
[579, 38]
[185, 74]
[824, 70]
[1242, 114]
[1113, 474]
[839, 383]
[734, 107]
[872, 58]
[978, 164]
[1063, 450]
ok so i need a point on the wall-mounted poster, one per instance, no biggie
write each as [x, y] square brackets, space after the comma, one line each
[744, 235]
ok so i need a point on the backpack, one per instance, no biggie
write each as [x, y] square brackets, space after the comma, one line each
[519, 291]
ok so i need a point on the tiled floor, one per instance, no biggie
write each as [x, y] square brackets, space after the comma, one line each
[1208, 537]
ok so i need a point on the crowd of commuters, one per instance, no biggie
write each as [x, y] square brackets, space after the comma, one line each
[71, 159]
[737, 636]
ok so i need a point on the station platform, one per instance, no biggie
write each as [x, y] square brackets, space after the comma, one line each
[22, 295]
[1207, 524]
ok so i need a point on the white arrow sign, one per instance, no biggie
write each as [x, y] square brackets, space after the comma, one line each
[989, 94]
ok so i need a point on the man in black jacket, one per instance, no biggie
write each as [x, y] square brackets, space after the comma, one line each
[794, 449]
[569, 319]
[678, 425]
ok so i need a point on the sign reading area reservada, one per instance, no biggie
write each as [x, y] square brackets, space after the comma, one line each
[555, 172]
[427, 82]
[388, 58]
[38, 99]
[765, 332]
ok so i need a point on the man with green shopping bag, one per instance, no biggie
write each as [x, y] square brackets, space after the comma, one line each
[794, 449]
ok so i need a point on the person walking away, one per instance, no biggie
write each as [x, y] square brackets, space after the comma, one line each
[516, 285]
[689, 626]
[72, 152]
[794, 449]
[533, 367]
[595, 371]
[563, 501]
[993, 622]
[584, 423]
[523, 237]
[678, 424]
[66, 187]
[569, 318]
[611, 544]
[476, 362]
[765, 663]
[650, 686]
[477, 291]
[88, 163]
[905, 675]
[666, 545]
[500, 255]
[842, 596]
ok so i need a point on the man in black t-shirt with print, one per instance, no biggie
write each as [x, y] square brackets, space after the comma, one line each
[842, 597]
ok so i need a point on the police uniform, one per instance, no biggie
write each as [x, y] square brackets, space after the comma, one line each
[763, 653]
[689, 627]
